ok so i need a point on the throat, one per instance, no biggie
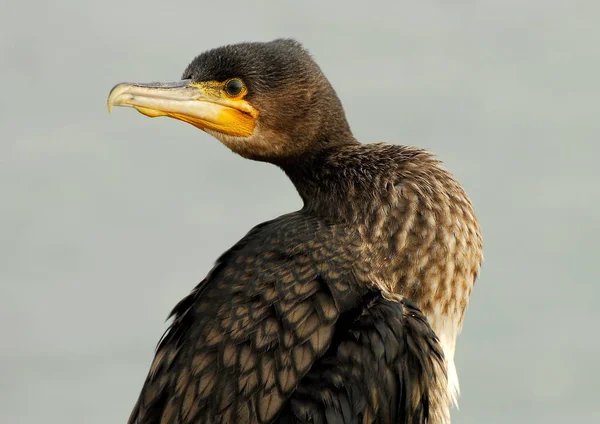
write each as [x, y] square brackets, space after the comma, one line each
[331, 181]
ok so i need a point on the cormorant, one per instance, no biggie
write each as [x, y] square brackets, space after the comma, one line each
[346, 311]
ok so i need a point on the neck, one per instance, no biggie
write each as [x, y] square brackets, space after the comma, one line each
[330, 181]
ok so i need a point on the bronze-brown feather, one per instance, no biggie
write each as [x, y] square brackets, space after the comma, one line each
[346, 311]
[280, 308]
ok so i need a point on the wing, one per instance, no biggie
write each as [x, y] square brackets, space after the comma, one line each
[386, 367]
[279, 309]
[242, 340]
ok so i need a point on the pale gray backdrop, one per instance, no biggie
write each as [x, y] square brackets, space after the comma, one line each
[108, 220]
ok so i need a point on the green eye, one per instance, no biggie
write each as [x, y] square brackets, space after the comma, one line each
[234, 87]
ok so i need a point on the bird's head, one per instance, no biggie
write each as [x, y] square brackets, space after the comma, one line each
[265, 101]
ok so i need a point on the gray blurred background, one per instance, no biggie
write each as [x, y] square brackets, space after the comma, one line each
[108, 220]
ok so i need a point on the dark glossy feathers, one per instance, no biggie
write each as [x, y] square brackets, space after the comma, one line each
[282, 324]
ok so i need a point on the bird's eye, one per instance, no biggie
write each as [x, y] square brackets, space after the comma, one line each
[234, 87]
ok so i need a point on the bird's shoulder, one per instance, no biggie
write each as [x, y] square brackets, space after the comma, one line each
[239, 344]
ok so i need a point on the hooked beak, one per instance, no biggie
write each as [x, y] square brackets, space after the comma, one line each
[203, 104]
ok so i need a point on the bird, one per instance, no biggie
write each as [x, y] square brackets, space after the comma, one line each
[344, 311]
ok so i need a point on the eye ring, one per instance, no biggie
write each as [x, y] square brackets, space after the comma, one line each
[234, 87]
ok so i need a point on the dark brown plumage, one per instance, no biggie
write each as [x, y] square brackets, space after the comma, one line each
[346, 311]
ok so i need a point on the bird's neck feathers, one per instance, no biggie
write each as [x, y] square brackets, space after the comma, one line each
[346, 181]
[435, 251]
